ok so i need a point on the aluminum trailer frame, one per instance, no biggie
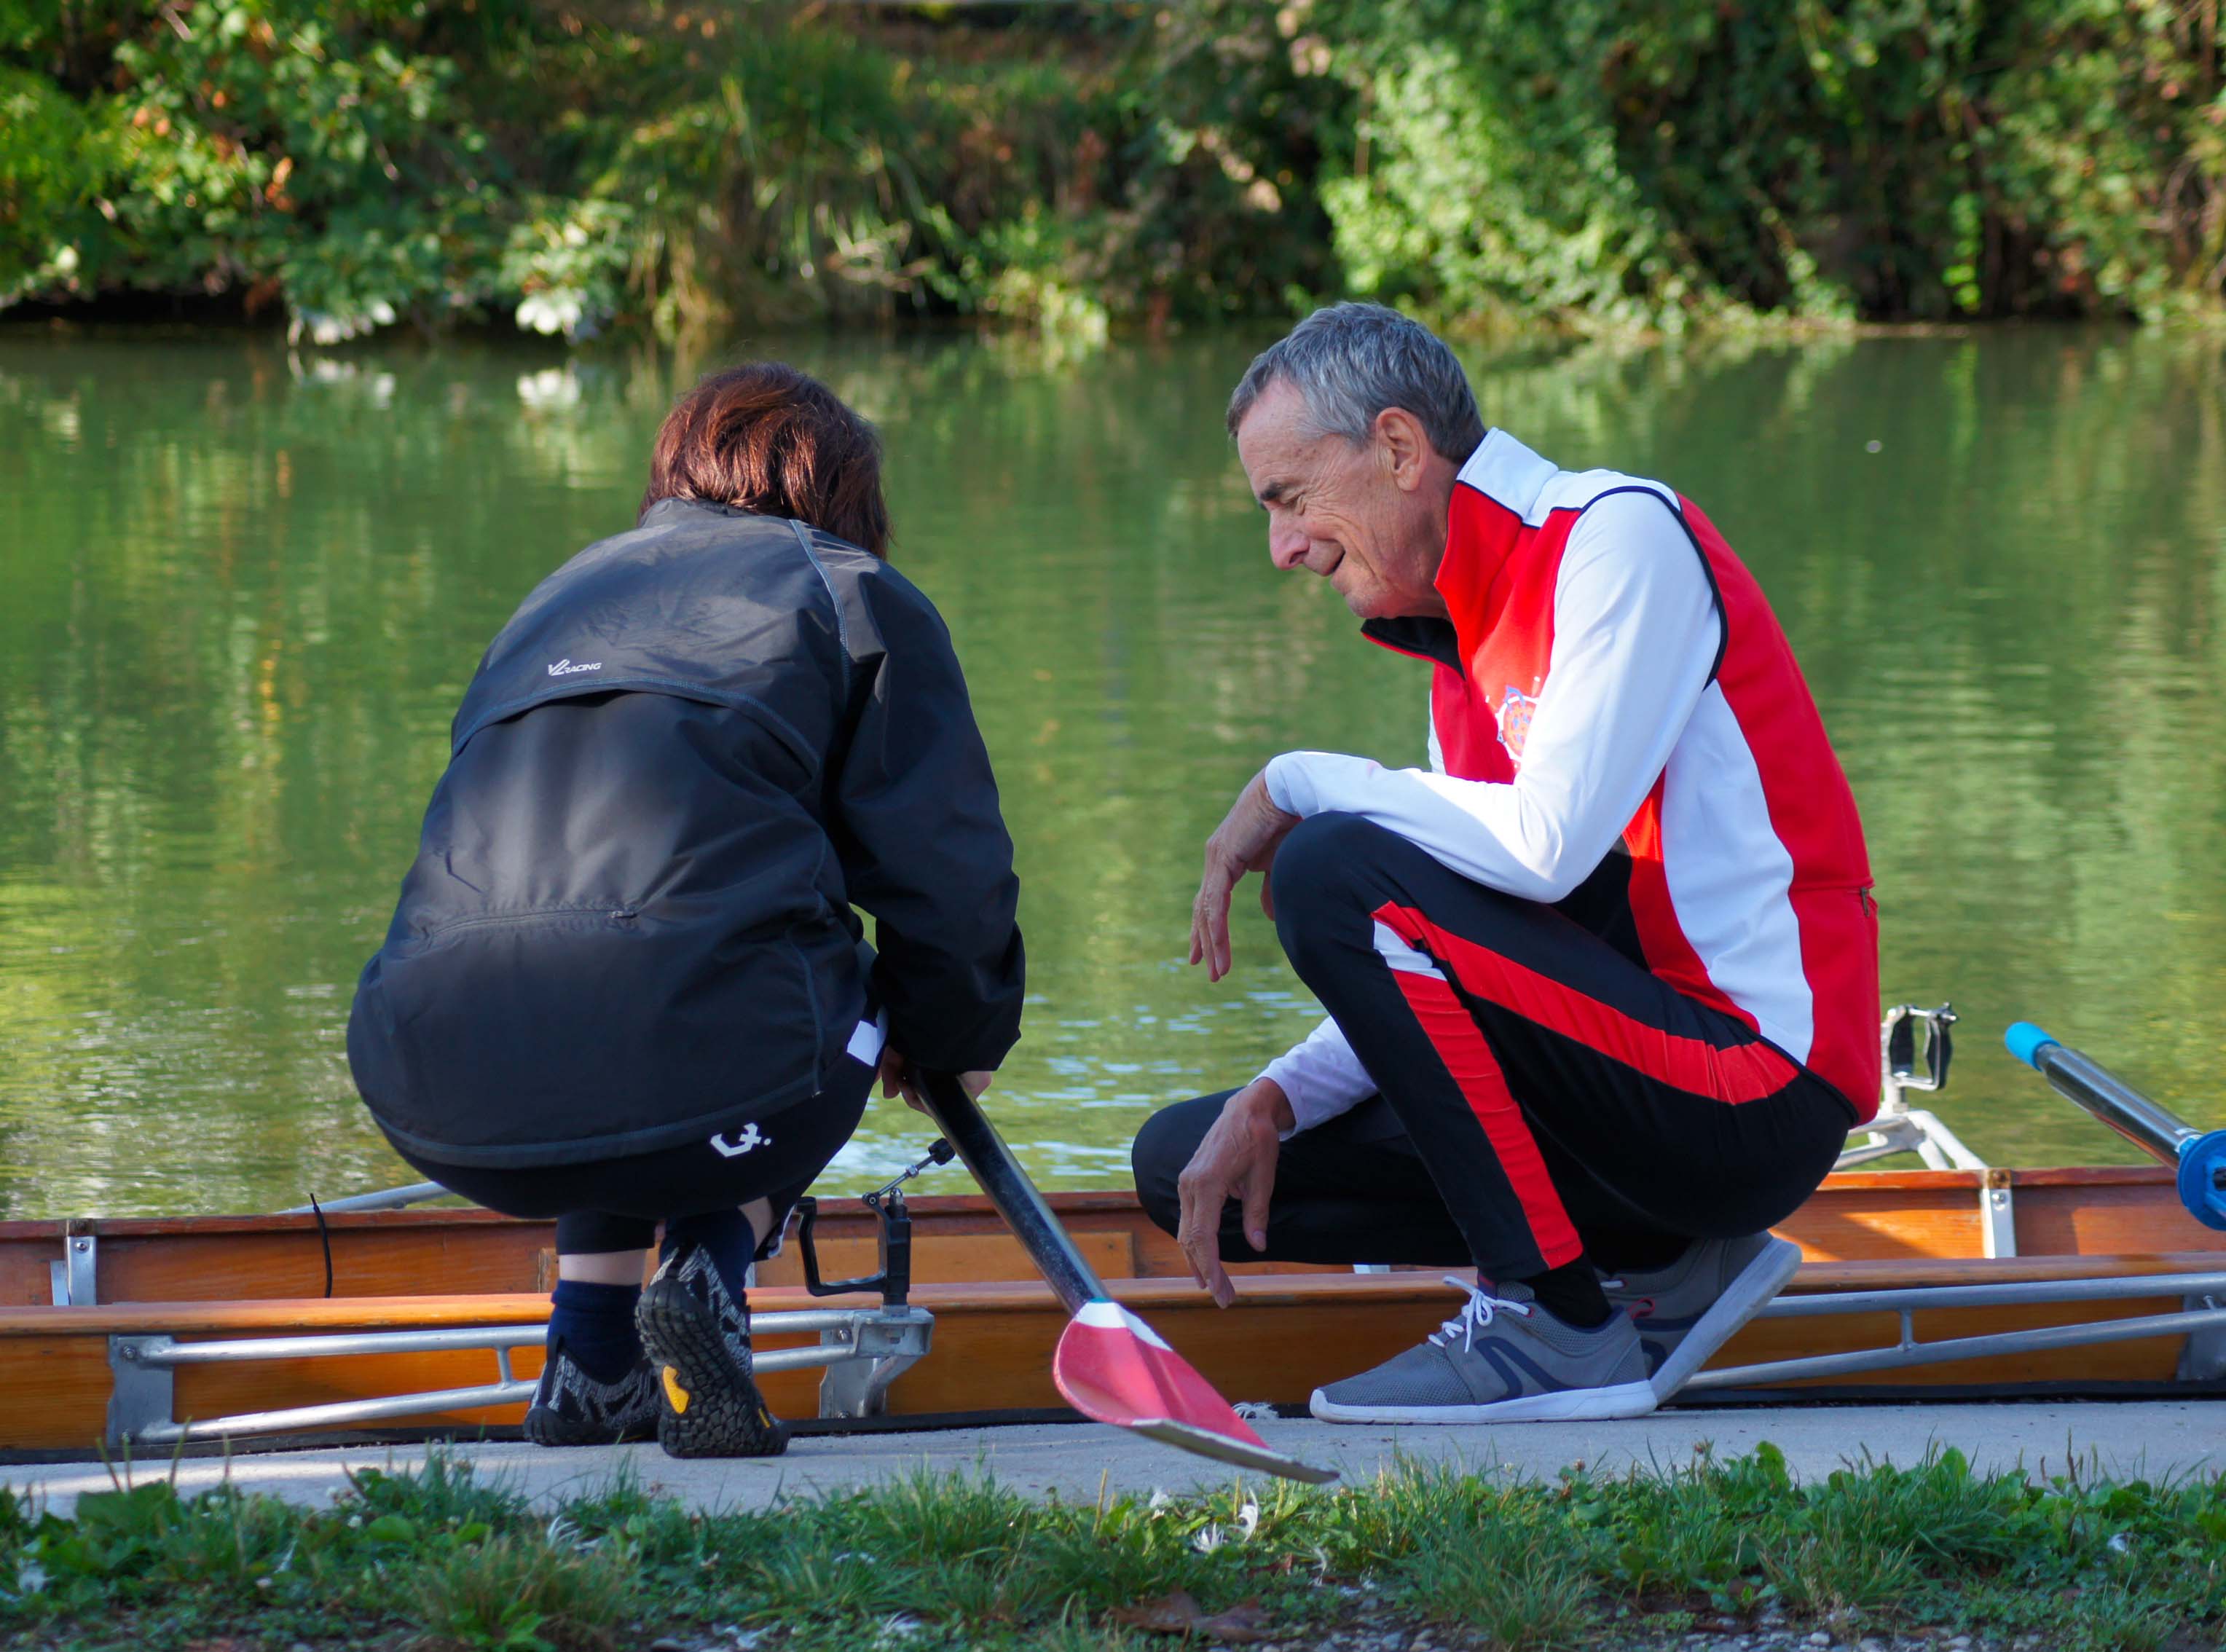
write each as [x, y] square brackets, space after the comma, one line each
[864, 1351]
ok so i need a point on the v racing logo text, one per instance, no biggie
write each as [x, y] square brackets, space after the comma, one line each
[565, 668]
[741, 1144]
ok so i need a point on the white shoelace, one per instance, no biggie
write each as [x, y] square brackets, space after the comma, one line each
[1482, 1309]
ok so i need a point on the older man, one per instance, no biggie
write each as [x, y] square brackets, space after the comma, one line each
[1601, 982]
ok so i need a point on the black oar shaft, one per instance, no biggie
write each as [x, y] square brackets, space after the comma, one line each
[1009, 1189]
[2079, 1078]
[2198, 1156]
[2116, 1103]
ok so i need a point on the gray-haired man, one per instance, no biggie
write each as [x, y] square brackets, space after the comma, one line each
[1601, 980]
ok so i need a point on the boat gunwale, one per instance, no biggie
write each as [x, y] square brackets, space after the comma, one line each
[1326, 1292]
[1085, 1201]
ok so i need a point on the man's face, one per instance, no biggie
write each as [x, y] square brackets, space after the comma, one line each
[1338, 509]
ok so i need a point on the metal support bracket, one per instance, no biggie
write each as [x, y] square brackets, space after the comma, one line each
[141, 1391]
[2203, 1356]
[881, 1351]
[75, 1279]
[1997, 1215]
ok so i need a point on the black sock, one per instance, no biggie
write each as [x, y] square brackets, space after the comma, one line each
[595, 1323]
[1571, 1293]
[726, 1235]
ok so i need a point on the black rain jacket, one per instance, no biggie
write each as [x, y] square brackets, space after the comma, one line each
[629, 925]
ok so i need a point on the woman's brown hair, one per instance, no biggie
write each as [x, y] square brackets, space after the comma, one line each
[764, 437]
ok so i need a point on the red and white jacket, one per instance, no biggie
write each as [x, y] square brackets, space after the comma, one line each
[1615, 672]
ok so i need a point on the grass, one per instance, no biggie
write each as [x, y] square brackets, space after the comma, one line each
[441, 1559]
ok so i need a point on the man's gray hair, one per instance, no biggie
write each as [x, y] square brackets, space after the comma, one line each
[1351, 361]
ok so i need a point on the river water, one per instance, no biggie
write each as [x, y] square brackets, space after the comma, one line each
[244, 589]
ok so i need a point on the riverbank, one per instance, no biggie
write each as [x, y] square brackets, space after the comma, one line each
[661, 165]
[2040, 1526]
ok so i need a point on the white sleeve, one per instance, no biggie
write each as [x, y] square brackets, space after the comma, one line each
[1321, 1076]
[1636, 633]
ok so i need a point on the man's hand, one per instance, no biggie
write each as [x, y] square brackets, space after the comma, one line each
[1245, 842]
[1237, 1157]
[897, 1077]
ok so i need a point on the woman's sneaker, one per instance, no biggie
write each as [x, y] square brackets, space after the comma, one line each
[697, 1338]
[573, 1409]
[1503, 1359]
[1687, 1311]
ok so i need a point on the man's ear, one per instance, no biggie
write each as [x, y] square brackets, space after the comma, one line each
[1405, 449]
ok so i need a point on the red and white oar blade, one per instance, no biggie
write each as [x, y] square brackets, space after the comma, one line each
[1114, 1368]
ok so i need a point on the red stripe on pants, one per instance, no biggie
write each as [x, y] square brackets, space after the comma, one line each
[1745, 1073]
[1453, 1033]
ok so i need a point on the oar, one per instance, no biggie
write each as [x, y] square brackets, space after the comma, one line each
[2198, 1155]
[1110, 1365]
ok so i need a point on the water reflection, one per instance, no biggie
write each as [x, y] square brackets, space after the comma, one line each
[245, 589]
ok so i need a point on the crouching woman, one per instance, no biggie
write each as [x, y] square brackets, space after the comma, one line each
[626, 984]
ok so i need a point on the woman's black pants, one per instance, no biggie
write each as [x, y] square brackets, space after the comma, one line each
[1542, 1095]
[616, 1203]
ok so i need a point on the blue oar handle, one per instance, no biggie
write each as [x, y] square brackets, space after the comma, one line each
[2199, 1156]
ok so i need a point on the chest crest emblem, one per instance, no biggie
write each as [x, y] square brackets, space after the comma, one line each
[1514, 712]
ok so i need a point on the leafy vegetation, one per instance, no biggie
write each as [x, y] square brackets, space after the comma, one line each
[454, 1561]
[671, 162]
[1889, 159]
[568, 166]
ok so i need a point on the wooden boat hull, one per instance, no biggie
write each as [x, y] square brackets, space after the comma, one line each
[1291, 1330]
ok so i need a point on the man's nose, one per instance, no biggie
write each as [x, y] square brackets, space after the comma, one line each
[1286, 548]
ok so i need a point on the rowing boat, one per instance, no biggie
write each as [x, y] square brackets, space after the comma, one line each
[144, 1333]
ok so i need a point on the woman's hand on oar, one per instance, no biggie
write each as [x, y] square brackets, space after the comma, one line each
[897, 1079]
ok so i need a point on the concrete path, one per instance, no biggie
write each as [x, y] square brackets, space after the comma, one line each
[2155, 1439]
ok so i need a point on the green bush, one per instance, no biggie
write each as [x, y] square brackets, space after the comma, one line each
[1612, 163]
[1606, 163]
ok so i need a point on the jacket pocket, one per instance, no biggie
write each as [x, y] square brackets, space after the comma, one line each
[562, 1036]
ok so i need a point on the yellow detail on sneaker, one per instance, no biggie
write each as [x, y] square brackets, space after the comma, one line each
[673, 1391]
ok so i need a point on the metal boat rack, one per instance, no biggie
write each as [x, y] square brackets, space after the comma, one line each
[2201, 1321]
[863, 1350]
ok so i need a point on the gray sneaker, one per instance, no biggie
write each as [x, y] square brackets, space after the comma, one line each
[1502, 1358]
[1687, 1311]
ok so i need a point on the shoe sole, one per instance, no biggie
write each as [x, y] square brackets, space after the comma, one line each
[1748, 1293]
[710, 1410]
[1563, 1405]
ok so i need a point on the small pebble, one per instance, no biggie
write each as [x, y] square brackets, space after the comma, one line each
[1820, 1639]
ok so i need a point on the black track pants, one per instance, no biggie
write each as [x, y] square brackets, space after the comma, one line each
[616, 1204]
[1542, 1096]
